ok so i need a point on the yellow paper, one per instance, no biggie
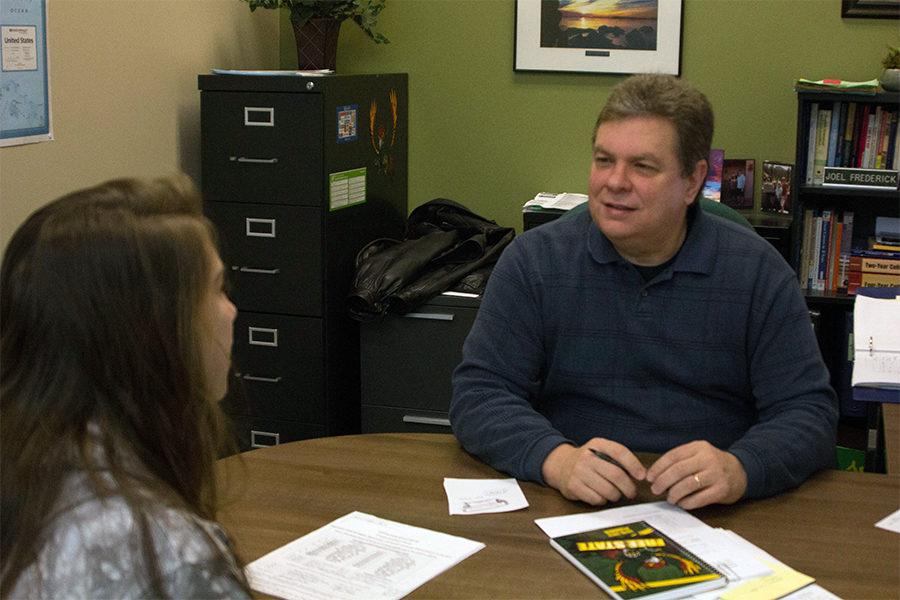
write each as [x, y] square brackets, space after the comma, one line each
[781, 582]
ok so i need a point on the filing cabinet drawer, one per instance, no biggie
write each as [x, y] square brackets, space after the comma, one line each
[407, 361]
[272, 255]
[255, 432]
[262, 147]
[383, 419]
[278, 368]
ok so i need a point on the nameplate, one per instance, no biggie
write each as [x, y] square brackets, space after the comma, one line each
[879, 179]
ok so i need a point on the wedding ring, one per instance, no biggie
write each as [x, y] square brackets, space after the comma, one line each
[697, 479]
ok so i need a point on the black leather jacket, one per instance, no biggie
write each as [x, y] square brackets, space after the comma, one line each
[444, 242]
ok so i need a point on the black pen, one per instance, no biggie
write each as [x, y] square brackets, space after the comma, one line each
[607, 458]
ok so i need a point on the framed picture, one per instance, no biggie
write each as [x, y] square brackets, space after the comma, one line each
[870, 9]
[712, 188]
[776, 187]
[737, 182]
[599, 36]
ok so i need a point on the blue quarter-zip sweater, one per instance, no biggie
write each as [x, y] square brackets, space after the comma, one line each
[571, 343]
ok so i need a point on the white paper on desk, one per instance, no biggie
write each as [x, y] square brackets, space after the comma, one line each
[735, 557]
[478, 496]
[358, 556]
[813, 591]
[667, 517]
[876, 342]
[564, 201]
[890, 522]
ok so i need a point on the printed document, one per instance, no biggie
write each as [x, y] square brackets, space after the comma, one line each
[876, 342]
[358, 556]
[565, 201]
[477, 496]
[890, 522]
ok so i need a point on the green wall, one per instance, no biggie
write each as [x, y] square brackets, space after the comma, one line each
[490, 137]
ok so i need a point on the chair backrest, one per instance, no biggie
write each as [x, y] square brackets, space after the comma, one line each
[710, 206]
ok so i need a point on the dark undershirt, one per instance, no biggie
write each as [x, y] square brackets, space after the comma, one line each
[648, 273]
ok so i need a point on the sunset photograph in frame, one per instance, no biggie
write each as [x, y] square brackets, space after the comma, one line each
[599, 36]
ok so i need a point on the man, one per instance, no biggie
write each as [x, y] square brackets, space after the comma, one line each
[646, 325]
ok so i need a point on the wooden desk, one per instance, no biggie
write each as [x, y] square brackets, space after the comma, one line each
[824, 528]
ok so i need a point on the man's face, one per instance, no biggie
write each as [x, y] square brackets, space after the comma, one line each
[638, 196]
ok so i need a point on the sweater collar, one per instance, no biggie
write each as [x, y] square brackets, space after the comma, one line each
[697, 253]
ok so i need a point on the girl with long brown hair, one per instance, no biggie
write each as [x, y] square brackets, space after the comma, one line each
[115, 343]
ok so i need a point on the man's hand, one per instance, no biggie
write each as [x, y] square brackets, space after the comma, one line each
[697, 474]
[580, 475]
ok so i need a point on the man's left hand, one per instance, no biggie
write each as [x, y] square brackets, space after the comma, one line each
[697, 474]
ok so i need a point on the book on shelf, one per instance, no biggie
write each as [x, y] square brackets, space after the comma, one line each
[824, 238]
[846, 247]
[811, 142]
[871, 280]
[638, 561]
[873, 269]
[823, 128]
[833, 131]
[825, 249]
[851, 135]
[847, 141]
[875, 261]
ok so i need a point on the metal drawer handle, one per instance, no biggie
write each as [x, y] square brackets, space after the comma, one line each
[426, 420]
[259, 116]
[255, 270]
[259, 227]
[430, 316]
[258, 161]
[262, 336]
[258, 439]
[259, 378]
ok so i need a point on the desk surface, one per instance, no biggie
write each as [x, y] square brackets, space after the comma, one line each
[824, 528]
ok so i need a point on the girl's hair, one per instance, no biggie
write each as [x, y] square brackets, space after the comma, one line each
[100, 360]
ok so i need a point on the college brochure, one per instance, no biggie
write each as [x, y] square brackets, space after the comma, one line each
[637, 561]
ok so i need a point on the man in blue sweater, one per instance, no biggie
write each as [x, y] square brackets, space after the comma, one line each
[646, 325]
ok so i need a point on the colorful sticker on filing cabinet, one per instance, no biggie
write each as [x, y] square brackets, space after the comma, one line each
[383, 129]
[347, 123]
[346, 188]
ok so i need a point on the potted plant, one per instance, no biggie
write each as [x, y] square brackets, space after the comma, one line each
[317, 24]
[890, 78]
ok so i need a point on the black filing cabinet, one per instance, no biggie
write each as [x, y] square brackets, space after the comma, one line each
[407, 363]
[298, 174]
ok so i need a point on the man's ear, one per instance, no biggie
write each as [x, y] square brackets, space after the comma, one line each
[696, 180]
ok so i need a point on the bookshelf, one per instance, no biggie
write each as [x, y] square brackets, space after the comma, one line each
[826, 296]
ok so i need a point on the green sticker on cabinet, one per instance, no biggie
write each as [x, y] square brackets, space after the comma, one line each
[346, 188]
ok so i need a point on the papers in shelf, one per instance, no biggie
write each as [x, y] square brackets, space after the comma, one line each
[838, 85]
[358, 556]
[313, 73]
[564, 201]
